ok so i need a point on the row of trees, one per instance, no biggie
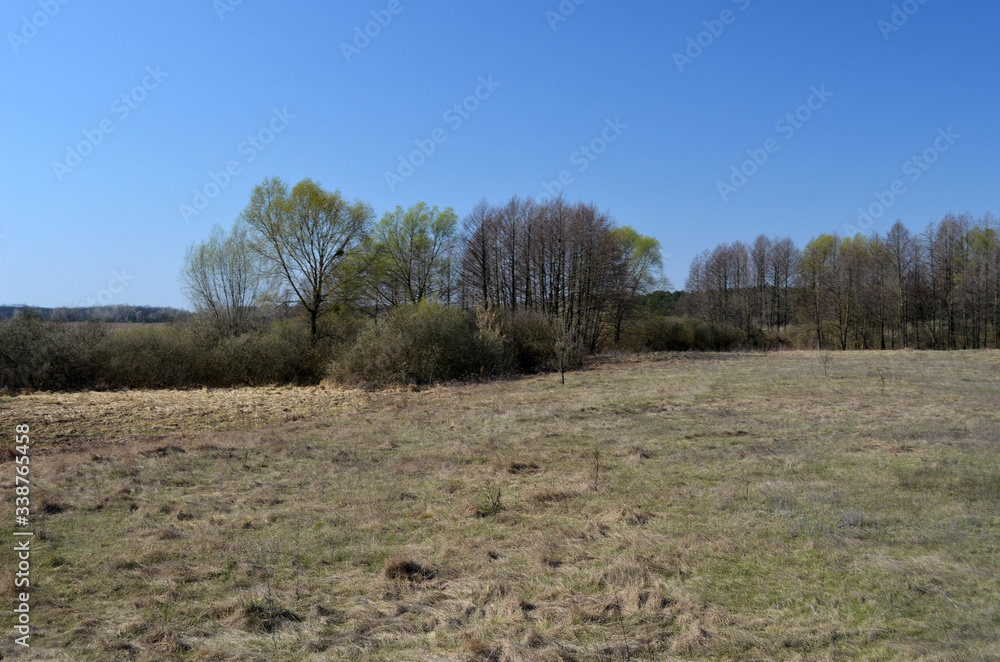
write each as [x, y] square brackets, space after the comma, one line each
[567, 261]
[311, 249]
[746, 287]
[937, 289]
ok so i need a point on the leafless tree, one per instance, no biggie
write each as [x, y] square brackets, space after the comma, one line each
[227, 281]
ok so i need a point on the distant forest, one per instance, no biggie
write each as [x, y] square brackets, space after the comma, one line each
[111, 314]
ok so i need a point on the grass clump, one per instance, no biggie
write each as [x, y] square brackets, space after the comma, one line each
[400, 569]
[260, 616]
[491, 500]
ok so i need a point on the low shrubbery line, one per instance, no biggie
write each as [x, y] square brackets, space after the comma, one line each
[417, 344]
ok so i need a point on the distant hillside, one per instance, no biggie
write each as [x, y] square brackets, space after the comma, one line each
[119, 313]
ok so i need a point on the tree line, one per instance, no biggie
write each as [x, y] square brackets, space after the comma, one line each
[309, 285]
[312, 249]
[937, 289]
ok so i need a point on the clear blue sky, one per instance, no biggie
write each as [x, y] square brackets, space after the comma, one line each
[219, 80]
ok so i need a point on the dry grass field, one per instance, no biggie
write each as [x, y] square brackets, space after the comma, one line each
[670, 507]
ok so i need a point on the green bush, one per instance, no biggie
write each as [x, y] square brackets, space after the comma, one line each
[419, 345]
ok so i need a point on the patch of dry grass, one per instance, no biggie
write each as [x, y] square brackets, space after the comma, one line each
[747, 507]
[89, 418]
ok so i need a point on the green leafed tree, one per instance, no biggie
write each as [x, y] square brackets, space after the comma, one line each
[411, 255]
[815, 266]
[640, 267]
[309, 235]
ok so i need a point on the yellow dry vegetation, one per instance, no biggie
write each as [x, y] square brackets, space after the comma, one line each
[666, 507]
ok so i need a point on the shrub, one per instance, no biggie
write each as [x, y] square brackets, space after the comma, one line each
[530, 338]
[148, 356]
[41, 355]
[533, 340]
[283, 354]
[419, 345]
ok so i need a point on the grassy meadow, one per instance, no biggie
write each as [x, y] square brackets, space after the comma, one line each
[781, 506]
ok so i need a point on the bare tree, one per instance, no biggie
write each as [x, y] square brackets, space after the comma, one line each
[760, 302]
[226, 280]
[478, 234]
[901, 256]
[559, 259]
[784, 258]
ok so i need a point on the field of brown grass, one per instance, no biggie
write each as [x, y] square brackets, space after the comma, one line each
[669, 507]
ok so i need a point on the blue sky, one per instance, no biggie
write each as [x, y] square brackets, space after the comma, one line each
[162, 95]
